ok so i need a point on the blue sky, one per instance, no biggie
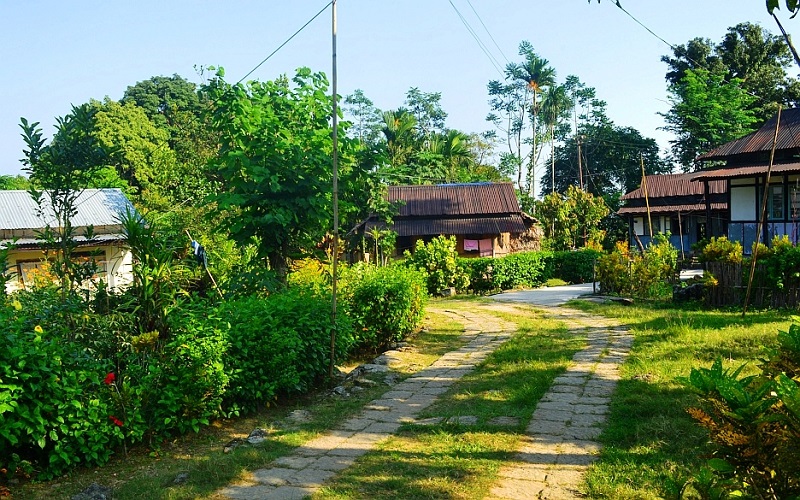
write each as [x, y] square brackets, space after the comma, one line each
[55, 53]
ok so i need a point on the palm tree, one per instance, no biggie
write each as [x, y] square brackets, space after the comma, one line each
[535, 73]
[399, 128]
[555, 107]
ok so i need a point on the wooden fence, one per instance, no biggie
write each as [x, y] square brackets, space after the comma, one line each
[731, 288]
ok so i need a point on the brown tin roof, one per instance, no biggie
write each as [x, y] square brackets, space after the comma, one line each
[453, 226]
[455, 199]
[745, 171]
[761, 139]
[697, 207]
[668, 185]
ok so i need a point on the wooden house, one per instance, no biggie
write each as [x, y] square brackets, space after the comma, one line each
[21, 224]
[484, 217]
[742, 165]
[688, 210]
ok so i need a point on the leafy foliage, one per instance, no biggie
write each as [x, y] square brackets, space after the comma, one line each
[278, 345]
[437, 259]
[572, 220]
[755, 422]
[647, 274]
[386, 304]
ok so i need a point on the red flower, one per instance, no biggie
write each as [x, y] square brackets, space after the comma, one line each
[109, 378]
[116, 421]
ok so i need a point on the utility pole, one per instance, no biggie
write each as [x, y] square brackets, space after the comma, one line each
[580, 164]
[646, 199]
[335, 123]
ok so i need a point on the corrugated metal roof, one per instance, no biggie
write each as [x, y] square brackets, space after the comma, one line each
[455, 199]
[698, 207]
[666, 185]
[450, 226]
[97, 207]
[746, 171]
[761, 139]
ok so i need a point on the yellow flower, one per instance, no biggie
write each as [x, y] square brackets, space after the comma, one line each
[17, 305]
[38, 329]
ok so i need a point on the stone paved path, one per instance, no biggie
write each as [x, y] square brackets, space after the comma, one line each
[561, 437]
[303, 472]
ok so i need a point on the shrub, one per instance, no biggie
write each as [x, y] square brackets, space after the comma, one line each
[437, 259]
[386, 304]
[52, 415]
[526, 269]
[480, 271]
[755, 423]
[575, 267]
[279, 344]
[643, 275]
[721, 250]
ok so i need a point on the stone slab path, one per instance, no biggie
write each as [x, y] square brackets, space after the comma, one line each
[561, 437]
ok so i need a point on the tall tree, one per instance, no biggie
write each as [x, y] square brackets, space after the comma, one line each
[536, 74]
[748, 58]
[707, 110]
[426, 108]
[556, 106]
[275, 162]
[366, 119]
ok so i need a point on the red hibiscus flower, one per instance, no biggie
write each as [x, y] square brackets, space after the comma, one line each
[110, 378]
[116, 421]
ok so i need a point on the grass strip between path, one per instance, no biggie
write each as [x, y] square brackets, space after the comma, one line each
[451, 461]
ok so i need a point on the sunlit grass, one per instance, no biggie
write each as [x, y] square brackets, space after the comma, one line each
[651, 445]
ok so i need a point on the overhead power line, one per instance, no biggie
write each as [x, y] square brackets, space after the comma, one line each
[477, 39]
[285, 42]
[487, 31]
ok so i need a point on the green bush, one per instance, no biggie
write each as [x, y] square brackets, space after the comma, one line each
[525, 269]
[385, 303]
[721, 250]
[575, 267]
[648, 274]
[480, 271]
[437, 259]
[755, 423]
[52, 413]
[279, 344]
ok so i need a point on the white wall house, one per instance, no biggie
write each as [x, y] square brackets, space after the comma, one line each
[21, 225]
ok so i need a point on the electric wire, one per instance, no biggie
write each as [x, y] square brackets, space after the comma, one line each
[477, 39]
[323, 9]
[487, 31]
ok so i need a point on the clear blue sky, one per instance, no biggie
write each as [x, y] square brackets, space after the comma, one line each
[56, 53]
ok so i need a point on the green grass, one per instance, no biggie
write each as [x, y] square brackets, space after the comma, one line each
[451, 461]
[651, 445]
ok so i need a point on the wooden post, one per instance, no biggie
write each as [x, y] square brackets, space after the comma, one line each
[646, 199]
[763, 219]
[680, 235]
[335, 160]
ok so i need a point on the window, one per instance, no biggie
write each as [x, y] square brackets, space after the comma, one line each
[775, 203]
[675, 226]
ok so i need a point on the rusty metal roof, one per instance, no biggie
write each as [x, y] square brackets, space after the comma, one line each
[97, 207]
[668, 185]
[745, 171]
[761, 139]
[450, 226]
[697, 207]
[455, 199]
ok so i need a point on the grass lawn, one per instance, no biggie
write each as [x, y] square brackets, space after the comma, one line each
[651, 445]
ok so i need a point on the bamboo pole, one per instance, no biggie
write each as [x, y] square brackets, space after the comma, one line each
[762, 220]
[335, 123]
[646, 199]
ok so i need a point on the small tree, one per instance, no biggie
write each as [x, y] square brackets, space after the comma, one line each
[437, 260]
[59, 173]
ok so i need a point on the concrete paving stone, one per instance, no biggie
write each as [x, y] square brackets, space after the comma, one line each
[397, 394]
[504, 421]
[358, 450]
[293, 461]
[582, 433]
[557, 406]
[595, 400]
[463, 420]
[555, 428]
[325, 442]
[383, 428]
[429, 421]
[256, 492]
[542, 446]
[308, 451]
[570, 380]
[332, 463]
[311, 478]
[587, 419]
[274, 476]
[576, 447]
[530, 472]
[422, 400]
[356, 424]
[561, 397]
[557, 415]
[374, 407]
[518, 489]
[409, 385]
[289, 493]
[572, 389]
[565, 477]
[585, 459]
[583, 409]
